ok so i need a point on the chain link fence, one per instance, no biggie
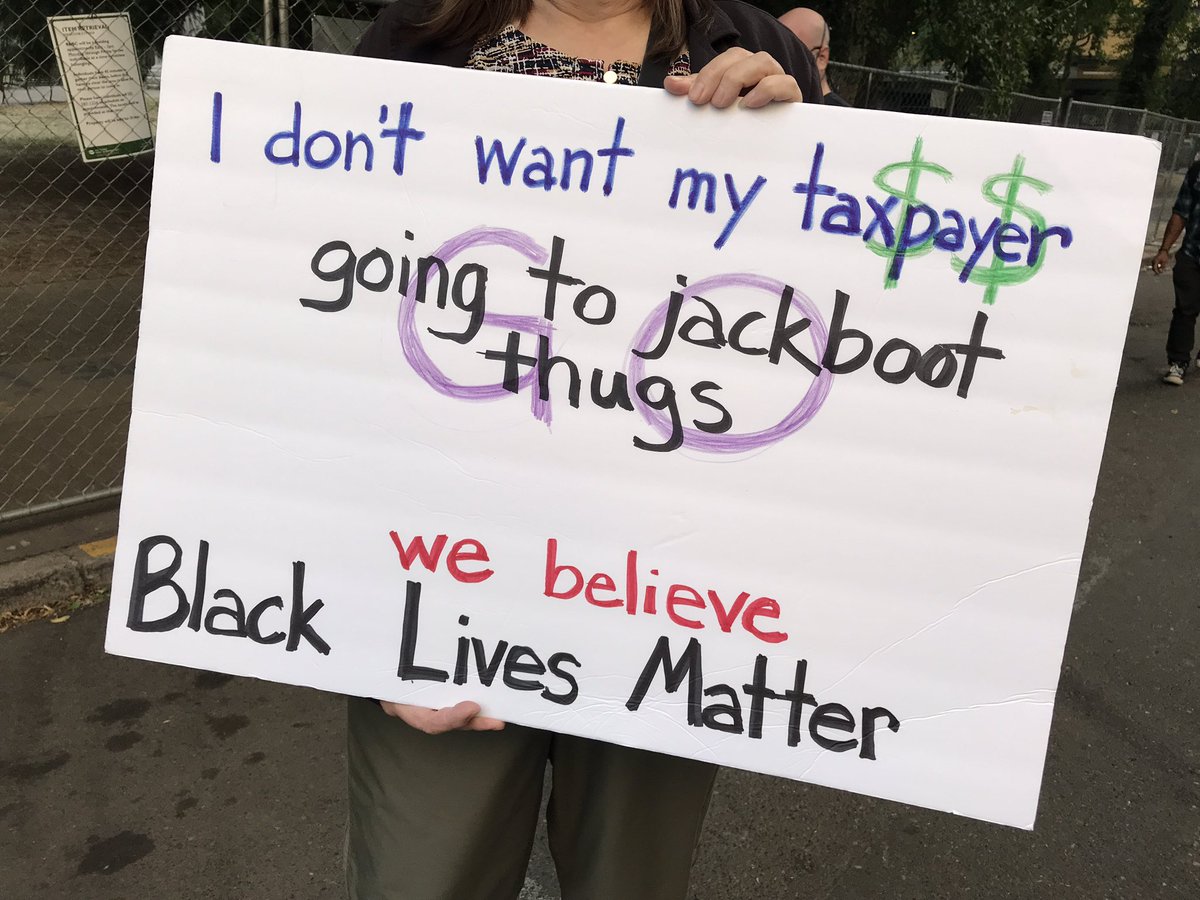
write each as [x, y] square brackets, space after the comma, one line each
[929, 95]
[933, 96]
[1180, 139]
[73, 233]
[72, 237]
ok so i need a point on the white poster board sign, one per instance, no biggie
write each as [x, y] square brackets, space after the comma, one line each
[760, 437]
[103, 79]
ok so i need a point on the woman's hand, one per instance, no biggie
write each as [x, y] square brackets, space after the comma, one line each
[722, 81]
[460, 717]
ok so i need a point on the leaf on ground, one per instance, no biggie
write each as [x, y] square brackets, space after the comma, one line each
[57, 612]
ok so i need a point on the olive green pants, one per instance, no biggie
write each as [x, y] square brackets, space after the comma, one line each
[453, 816]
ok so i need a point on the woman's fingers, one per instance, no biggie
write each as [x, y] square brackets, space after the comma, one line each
[460, 717]
[701, 85]
[706, 82]
[679, 85]
[773, 89]
[744, 73]
[719, 83]
[723, 80]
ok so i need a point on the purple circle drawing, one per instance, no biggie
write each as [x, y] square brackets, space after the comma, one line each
[414, 350]
[800, 415]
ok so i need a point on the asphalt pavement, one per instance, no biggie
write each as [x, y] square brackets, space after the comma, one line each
[125, 779]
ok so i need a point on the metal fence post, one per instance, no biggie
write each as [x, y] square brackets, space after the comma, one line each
[284, 37]
[953, 98]
[268, 23]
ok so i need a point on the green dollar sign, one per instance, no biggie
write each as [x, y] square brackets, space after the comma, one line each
[999, 273]
[914, 166]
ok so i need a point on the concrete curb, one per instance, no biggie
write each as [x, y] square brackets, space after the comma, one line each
[50, 577]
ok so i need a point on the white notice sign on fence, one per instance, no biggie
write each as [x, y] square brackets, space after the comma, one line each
[103, 79]
[760, 437]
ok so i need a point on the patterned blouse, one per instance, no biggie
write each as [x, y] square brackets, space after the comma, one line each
[513, 51]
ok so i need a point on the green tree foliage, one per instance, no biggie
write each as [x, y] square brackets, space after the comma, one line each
[1018, 46]
[27, 55]
[1142, 82]
[25, 38]
[1021, 45]
[866, 32]
[1178, 88]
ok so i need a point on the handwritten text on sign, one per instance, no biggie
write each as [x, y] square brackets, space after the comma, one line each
[766, 438]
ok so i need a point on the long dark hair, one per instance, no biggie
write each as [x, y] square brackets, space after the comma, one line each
[466, 21]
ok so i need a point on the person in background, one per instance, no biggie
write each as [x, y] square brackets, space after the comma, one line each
[443, 804]
[813, 31]
[1185, 220]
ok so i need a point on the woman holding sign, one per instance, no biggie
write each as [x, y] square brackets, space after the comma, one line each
[444, 803]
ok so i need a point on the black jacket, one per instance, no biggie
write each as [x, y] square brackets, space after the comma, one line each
[396, 34]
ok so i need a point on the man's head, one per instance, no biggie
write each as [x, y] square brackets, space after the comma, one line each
[812, 30]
